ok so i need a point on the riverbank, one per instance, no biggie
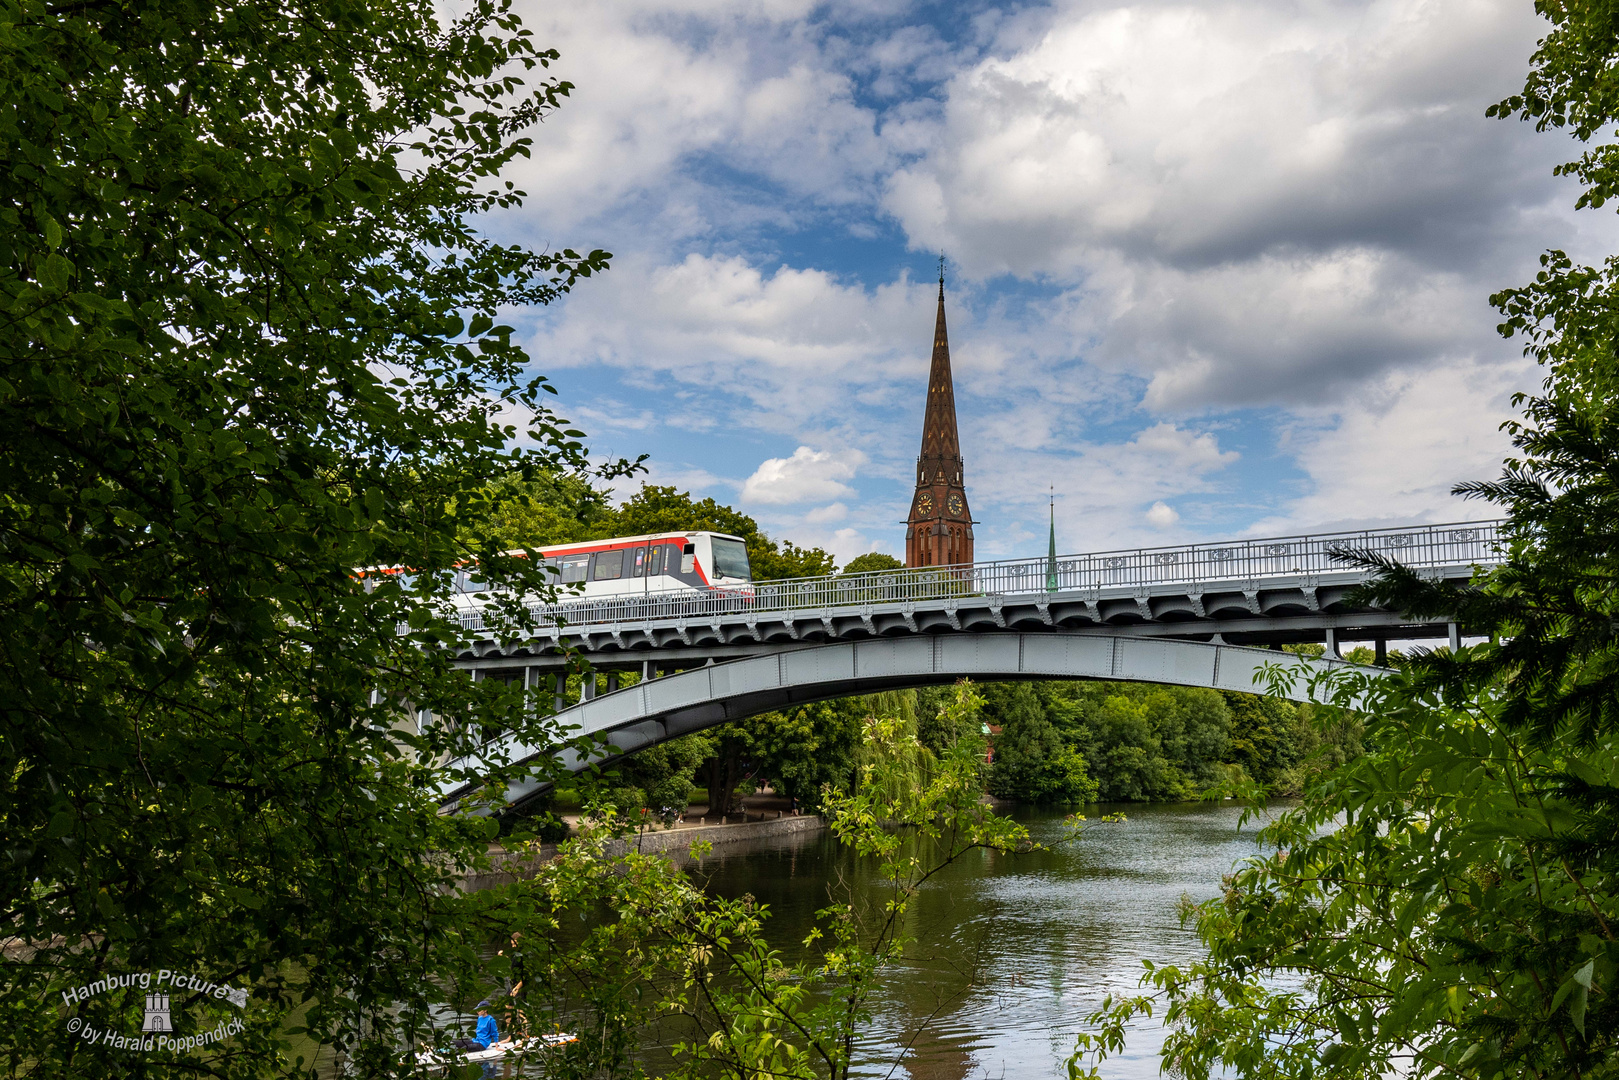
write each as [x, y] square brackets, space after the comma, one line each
[510, 866]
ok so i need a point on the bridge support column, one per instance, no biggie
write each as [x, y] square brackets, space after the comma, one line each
[1455, 637]
[588, 688]
[561, 691]
[612, 681]
[1332, 642]
[649, 671]
[1380, 648]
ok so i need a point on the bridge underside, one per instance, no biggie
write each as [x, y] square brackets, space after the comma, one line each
[658, 709]
[1291, 611]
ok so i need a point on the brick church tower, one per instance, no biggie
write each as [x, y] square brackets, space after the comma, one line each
[939, 531]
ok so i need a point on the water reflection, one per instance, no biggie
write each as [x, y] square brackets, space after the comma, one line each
[1012, 952]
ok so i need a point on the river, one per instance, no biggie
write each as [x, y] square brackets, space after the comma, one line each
[1012, 952]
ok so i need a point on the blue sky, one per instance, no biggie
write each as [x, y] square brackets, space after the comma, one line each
[1217, 269]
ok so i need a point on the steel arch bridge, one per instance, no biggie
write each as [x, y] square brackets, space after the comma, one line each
[1274, 591]
[654, 710]
[1177, 615]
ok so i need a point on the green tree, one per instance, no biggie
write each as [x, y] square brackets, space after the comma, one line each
[872, 561]
[1032, 762]
[249, 347]
[1447, 904]
[940, 724]
[545, 507]
[658, 779]
[805, 750]
[663, 509]
[1265, 739]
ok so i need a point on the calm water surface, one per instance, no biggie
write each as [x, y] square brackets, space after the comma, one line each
[1012, 952]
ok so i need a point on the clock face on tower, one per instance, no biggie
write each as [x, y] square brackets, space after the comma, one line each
[924, 504]
[954, 504]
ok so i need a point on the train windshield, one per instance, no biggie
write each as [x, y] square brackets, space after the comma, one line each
[731, 559]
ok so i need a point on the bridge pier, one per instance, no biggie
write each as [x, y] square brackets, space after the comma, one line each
[1332, 642]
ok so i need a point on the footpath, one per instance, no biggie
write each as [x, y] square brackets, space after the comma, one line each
[758, 827]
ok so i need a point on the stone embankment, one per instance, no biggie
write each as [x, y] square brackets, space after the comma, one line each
[510, 866]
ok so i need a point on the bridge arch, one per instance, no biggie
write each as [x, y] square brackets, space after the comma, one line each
[652, 711]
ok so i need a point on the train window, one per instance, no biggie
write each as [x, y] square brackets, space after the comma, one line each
[639, 555]
[573, 568]
[731, 559]
[609, 565]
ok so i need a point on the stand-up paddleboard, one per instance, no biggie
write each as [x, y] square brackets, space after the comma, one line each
[501, 1051]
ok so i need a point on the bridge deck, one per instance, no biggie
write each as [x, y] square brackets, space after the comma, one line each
[1278, 589]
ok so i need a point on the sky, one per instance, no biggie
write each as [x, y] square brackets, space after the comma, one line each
[1215, 270]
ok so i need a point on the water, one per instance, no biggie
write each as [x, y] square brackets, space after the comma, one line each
[1012, 952]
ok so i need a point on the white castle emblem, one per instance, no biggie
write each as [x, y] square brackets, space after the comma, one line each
[157, 1013]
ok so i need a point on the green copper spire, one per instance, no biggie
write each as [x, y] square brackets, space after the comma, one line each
[1051, 547]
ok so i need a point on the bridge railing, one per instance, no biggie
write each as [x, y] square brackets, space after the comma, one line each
[1242, 561]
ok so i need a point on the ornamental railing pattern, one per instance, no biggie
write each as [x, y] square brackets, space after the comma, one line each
[1247, 563]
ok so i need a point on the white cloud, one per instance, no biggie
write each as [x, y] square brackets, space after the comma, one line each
[808, 476]
[795, 344]
[1391, 455]
[660, 86]
[1100, 486]
[1250, 202]
[1196, 209]
[1161, 515]
[826, 515]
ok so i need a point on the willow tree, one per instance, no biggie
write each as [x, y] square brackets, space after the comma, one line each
[247, 348]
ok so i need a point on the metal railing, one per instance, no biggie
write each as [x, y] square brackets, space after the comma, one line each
[1242, 561]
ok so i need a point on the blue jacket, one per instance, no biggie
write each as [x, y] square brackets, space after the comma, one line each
[488, 1031]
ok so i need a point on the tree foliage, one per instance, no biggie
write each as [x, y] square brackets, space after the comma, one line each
[734, 1003]
[1032, 761]
[872, 561]
[248, 347]
[563, 508]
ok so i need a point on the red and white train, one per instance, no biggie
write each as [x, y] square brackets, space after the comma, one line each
[660, 562]
[689, 563]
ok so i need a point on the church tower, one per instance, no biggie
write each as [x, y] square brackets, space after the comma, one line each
[939, 531]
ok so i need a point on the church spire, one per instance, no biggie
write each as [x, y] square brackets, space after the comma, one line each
[940, 525]
[939, 438]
